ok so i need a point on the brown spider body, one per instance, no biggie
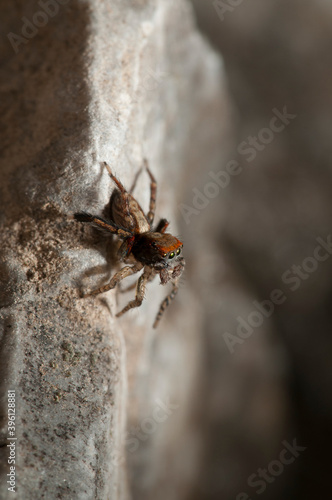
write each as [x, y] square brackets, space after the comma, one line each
[154, 250]
[127, 212]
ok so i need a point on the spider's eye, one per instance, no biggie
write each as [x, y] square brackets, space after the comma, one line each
[164, 254]
[178, 251]
[171, 255]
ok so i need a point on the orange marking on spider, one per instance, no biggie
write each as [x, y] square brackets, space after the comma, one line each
[153, 250]
[171, 248]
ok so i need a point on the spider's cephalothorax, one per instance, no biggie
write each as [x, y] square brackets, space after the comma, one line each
[154, 250]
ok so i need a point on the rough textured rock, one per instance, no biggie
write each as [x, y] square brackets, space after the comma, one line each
[115, 81]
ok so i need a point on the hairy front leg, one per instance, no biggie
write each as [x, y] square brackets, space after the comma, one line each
[140, 290]
[165, 303]
[153, 194]
[119, 276]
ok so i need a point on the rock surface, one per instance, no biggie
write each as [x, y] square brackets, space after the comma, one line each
[88, 82]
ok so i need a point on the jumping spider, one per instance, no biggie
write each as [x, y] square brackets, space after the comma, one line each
[152, 249]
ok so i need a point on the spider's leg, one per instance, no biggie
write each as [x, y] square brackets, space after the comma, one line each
[133, 285]
[119, 276]
[128, 288]
[140, 289]
[126, 247]
[124, 192]
[115, 179]
[135, 180]
[162, 226]
[165, 303]
[153, 191]
[102, 224]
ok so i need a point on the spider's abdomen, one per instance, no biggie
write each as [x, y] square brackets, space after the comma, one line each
[127, 213]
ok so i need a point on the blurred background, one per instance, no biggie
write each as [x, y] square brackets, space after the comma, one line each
[259, 232]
